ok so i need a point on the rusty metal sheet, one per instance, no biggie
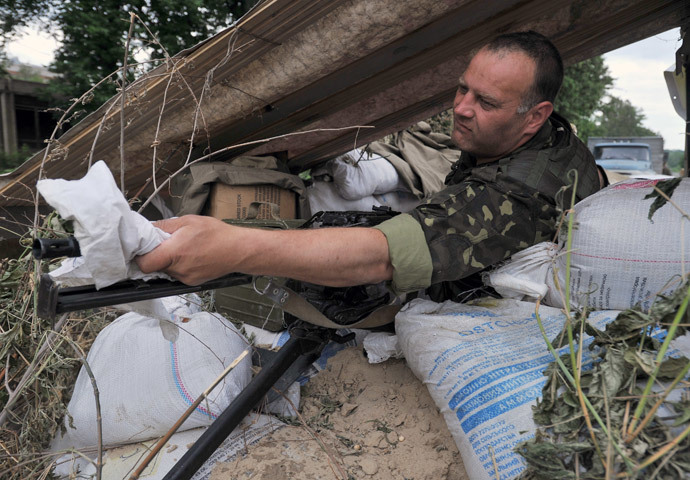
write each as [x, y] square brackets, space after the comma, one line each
[296, 65]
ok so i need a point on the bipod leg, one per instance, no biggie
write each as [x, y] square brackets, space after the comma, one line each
[304, 340]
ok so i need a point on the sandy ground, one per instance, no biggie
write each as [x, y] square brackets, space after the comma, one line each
[362, 421]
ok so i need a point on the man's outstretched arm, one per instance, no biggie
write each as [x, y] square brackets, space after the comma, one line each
[204, 248]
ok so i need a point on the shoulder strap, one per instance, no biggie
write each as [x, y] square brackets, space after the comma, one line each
[298, 306]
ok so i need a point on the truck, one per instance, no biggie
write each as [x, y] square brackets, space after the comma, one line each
[633, 156]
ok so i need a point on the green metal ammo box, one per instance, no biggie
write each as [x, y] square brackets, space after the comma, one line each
[242, 303]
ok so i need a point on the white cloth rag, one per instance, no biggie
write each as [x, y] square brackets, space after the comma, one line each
[109, 233]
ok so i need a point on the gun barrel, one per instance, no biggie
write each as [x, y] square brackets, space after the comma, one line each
[55, 247]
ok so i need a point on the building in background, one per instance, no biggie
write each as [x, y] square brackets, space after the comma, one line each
[24, 119]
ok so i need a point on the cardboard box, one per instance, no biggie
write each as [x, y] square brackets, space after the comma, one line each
[232, 201]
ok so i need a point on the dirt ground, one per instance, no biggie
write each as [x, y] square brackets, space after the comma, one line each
[362, 421]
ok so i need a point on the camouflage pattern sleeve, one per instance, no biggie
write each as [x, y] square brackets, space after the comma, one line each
[473, 224]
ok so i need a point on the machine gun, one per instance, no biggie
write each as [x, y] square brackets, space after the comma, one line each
[351, 307]
[310, 330]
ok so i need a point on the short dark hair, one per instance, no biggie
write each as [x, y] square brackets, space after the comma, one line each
[549, 64]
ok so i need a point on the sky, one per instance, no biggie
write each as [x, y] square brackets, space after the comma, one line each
[33, 47]
[637, 70]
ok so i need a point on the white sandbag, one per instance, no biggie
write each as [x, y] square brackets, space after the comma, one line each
[380, 346]
[524, 275]
[358, 174]
[324, 196]
[619, 257]
[287, 404]
[146, 383]
[483, 367]
[398, 201]
[120, 462]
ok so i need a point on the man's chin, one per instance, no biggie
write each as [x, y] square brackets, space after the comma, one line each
[460, 140]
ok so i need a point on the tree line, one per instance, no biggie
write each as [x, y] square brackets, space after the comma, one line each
[92, 34]
[585, 101]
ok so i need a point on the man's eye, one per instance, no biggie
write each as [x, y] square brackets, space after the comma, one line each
[462, 89]
[486, 105]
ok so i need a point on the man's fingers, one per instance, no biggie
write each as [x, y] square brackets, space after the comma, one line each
[161, 257]
[171, 224]
[180, 255]
[156, 260]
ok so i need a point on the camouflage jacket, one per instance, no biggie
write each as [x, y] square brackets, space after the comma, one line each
[488, 212]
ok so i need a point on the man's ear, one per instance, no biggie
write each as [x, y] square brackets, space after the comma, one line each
[537, 116]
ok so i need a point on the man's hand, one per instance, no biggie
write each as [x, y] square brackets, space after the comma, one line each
[196, 251]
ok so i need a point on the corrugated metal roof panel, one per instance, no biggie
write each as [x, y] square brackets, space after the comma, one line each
[296, 65]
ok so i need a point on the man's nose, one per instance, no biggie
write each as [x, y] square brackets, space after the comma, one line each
[464, 106]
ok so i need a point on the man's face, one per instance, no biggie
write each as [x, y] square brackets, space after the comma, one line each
[485, 119]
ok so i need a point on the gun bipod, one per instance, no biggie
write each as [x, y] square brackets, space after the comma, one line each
[304, 346]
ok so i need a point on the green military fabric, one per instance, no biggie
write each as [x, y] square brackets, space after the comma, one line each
[408, 252]
[421, 157]
[488, 212]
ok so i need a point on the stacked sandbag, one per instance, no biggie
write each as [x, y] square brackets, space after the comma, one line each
[358, 174]
[620, 256]
[484, 367]
[357, 181]
[145, 382]
[397, 174]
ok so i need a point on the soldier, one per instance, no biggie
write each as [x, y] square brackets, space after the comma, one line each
[502, 196]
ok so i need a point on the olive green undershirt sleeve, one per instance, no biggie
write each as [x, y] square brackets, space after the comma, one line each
[409, 253]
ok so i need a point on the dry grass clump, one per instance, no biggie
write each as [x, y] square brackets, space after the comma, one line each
[38, 368]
